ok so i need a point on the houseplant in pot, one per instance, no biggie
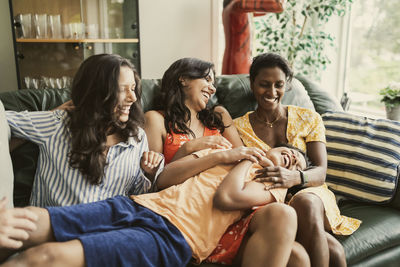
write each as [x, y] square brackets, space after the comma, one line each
[391, 98]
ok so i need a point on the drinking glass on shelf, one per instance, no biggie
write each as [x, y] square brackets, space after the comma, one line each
[92, 31]
[34, 83]
[27, 82]
[52, 82]
[66, 82]
[40, 25]
[77, 30]
[44, 82]
[67, 31]
[25, 29]
[58, 83]
[54, 26]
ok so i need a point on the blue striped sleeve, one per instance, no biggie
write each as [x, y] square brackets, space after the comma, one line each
[36, 126]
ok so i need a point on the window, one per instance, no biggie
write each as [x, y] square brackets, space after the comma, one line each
[374, 55]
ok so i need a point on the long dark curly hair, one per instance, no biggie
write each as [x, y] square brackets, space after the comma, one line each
[171, 99]
[94, 93]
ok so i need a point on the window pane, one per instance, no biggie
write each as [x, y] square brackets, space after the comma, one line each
[375, 53]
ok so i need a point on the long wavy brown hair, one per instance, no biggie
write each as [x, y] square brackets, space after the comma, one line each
[95, 92]
[171, 98]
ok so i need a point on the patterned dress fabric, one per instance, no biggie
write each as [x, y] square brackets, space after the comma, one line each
[304, 126]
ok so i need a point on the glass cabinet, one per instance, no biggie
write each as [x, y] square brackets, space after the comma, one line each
[53, 37]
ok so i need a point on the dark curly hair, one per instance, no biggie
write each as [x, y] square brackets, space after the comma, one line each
[171, 99]
[94, 93]
[270, 60]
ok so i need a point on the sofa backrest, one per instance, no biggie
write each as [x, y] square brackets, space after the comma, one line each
[233, 92]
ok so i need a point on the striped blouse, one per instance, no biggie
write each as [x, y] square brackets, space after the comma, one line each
[58, 184]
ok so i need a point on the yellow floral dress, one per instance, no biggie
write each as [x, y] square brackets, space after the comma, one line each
[304, 126]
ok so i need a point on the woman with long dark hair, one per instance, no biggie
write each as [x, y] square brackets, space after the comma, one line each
[92, 151]
[182, 123]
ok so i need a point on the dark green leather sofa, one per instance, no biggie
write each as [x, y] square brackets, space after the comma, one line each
[375, 243]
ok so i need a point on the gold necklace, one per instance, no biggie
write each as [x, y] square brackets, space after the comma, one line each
[270, 124]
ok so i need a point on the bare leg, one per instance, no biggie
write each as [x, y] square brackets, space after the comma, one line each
[298, 257]
[311, 232]
[337, 257]
[50, 254]
[272, 232]
[42, 234]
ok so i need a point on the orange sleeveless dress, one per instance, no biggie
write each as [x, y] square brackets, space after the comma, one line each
[174, 141]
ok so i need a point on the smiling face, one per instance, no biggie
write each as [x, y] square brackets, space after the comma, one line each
[198, 91]
[287, 157]
[126, 96]
[269, 88]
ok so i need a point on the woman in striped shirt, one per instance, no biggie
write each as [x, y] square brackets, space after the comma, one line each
[91, 152]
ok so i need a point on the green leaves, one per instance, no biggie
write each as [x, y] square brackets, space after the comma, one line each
[391, 95]
[295, 33]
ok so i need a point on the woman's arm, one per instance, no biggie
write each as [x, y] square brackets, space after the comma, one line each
[155, 130]
[316, 152]
[179, 171]
[235, 194]
[230, 133]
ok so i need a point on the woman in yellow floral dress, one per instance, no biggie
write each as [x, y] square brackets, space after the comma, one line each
[273, 123]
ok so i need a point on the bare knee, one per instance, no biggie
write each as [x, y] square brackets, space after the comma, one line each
[276, 217]
[309, 208]
[43, 255]
[337, 257]
[298, 256]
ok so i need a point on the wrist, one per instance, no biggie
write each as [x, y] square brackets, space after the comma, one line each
[188, 148]
[303, 178]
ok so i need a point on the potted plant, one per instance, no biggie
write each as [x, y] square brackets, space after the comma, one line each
[391, 98]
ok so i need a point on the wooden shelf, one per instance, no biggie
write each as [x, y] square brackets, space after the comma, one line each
[31, 40]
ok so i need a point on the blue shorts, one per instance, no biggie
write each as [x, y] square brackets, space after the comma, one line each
[119, 232]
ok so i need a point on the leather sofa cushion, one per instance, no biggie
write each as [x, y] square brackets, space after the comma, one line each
[321, 99]
[379, 230]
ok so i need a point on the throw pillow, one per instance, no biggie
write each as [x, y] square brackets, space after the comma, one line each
[363, 156]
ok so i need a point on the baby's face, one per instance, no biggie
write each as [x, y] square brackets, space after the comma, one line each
[287, 157]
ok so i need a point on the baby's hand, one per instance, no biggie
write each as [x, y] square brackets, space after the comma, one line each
[150, 162]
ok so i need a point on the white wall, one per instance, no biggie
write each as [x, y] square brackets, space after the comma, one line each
[173, 29]
[8, 72]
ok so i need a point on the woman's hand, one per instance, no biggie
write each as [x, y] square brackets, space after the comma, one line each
[150, 162]
[279, 176]
[68, 106]
[15, 225]
[239, 153]
[214, 141]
